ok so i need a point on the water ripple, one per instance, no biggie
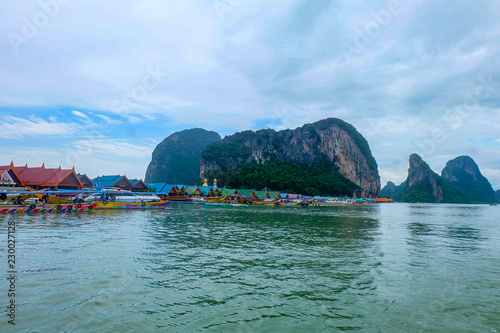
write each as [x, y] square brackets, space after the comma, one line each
[373, 268]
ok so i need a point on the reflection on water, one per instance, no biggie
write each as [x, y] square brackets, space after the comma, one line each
[254, 265]
[399, 267]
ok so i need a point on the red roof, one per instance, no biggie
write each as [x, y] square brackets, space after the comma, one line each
[28, 173]
[58, 177]
[6, 167]
[42, 176]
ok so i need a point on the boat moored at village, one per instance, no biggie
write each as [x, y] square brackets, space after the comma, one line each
[46, 208]
[79, 207]
[132, 205]
[123, 196]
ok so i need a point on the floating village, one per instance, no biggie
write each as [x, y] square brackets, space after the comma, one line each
[25, 189]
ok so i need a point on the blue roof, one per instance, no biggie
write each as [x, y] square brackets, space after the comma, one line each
[205, 189]
[283, 195]
[107, 178]
[107, 181]
[166, 189]
[156, 186]
[135, 181]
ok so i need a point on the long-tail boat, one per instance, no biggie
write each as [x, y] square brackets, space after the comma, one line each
[19, 206]
[132, 205]
[46, 208]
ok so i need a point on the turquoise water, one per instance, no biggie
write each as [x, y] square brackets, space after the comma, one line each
[370, 268]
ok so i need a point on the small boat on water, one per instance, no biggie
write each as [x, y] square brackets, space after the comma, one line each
[132, 205]
[30, 201]
[79, 207]
[123, 196]
[196, 201]
[46, 208]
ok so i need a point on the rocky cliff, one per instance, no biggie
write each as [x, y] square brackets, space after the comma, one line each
[460, 182]
[497, 195]
[392, 191]
[463, 173]
[422, 184]
[330, 144]
[176, 160]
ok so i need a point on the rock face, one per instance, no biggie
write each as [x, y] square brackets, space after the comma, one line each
[176, 160]
[460, 182]
[497, 195]
[422, 184]
[463, 173]
[330, 140]
[392, 191]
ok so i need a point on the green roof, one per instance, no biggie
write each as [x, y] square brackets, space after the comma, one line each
[247, 193]
[261, 194]
[227, 192]
[273, 194]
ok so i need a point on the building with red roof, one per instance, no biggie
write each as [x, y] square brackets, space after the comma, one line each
[41, 177]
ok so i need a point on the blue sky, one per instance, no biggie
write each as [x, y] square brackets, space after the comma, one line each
[98, 84]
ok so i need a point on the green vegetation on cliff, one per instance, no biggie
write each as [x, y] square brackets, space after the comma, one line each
[461, 182]
[464, 174]
[317, 179]
[313, 159]
[392, 191]
[176, 160]
[421, 191]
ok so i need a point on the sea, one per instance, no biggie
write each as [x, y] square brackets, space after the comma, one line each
[190, 268]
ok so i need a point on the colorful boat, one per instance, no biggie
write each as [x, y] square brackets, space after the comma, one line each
[132, 205]
[46, 208]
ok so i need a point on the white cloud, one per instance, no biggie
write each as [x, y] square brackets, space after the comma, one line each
[108, 120]
[80, 114]
[18, 128]
[276, 60]
[116, 147]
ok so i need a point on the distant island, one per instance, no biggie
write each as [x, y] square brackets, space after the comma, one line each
[460, 181]
[176, 160]
[328, 158]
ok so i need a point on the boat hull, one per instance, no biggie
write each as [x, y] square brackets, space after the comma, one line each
[48, 208]
[132, 205]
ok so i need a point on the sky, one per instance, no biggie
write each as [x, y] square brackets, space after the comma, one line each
[98, 84]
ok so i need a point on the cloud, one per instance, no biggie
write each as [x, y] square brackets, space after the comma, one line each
[109, 120]
[278, 64]
[80, 114]
[19, 128]
[116, 147]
